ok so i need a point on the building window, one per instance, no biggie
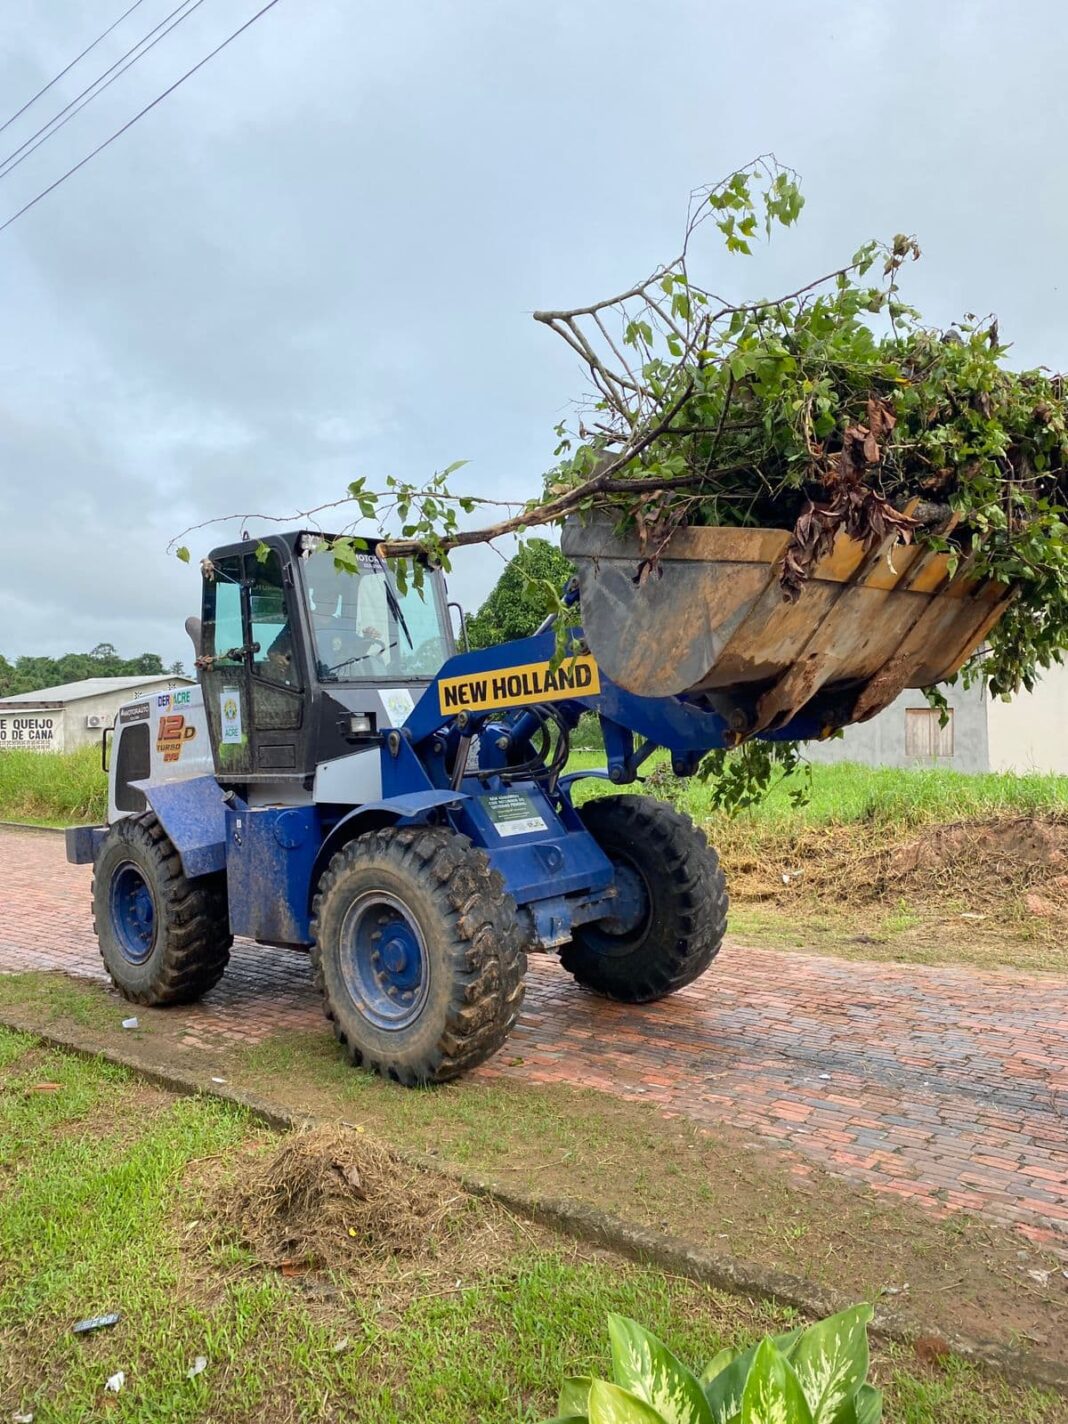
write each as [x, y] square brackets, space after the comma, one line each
[925, 737]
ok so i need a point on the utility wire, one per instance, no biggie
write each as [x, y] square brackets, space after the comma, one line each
[13, 160]
[19, 112]
[139, 115]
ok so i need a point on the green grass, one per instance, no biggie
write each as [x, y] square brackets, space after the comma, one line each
[69, 788]
[847, 794]
[99, 1210]
[53, 788]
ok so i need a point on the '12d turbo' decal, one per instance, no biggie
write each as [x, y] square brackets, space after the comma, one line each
[520, 686]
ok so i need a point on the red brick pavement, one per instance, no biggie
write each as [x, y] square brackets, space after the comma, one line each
[945, 1086]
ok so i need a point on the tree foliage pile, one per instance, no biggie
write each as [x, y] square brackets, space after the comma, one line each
[834, 407]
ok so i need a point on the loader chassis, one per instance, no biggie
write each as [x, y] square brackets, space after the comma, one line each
[341, 780]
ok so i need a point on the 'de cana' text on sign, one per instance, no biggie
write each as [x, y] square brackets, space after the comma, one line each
[36, 730]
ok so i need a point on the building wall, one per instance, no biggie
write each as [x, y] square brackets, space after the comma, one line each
[1030, 733]
[57, 729]
[888, 741]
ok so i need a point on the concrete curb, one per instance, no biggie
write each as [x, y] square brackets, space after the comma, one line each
[27, 826]
[599, 1228]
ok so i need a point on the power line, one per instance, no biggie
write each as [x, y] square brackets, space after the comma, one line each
[139, 115]
[29, 102]
[25, 149]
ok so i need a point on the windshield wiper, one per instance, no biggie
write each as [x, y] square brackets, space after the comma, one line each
[397, 611]
[359, 658]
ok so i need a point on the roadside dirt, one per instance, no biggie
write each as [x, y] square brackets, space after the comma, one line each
[724, 1191]
[992, 893]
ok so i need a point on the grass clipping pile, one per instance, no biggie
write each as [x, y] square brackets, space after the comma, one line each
[335, 1198]
[1007, 868]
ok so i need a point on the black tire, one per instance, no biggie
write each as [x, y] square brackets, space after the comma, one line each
[679, 875]
[187, 945]
[432, 886]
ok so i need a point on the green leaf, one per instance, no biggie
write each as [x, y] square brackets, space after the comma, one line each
[263, 553]
[611, 1405]
[451, 469]
[773, 1393]
[575, 1395]
[831, 1360]
[645, 1365]
[183, 554]
[868, 1405]
[724, 1390]
[717, 1364]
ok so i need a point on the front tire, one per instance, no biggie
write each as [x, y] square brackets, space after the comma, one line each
[673, 903]
[164, 939]
[418, 953]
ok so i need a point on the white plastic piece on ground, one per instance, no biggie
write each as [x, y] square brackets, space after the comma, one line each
[115, 1382]
[199, 1365]
[22, 1419]
[129, 1023]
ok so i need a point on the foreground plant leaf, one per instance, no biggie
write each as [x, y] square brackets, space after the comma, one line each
[773, 1393]
[611, 1405]
[725, 1388]
[645, 1365]
[831, 1360]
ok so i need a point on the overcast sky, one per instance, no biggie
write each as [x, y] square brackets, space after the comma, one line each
[318, 258]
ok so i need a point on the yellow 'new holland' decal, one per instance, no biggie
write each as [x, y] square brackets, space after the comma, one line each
[520, 686]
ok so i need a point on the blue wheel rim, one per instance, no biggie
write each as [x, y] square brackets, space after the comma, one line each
[384, 961]
[631, 912]
[133, 912]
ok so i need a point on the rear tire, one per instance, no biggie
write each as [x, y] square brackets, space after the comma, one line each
[164, 939]
[677, 901]
[418, 953]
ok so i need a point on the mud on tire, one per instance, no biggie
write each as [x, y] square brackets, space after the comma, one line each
[417, 893]
[164, 939]
[680, 932]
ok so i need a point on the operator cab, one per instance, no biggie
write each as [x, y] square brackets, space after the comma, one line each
[294, 654]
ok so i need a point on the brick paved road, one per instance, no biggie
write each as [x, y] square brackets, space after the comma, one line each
[949, 1086]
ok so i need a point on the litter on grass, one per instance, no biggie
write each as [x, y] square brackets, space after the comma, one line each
[96, 1322]
[115, 1382]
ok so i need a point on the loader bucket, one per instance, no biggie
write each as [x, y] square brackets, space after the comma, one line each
[711, 621]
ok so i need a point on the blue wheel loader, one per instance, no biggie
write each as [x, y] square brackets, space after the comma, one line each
[343, 782]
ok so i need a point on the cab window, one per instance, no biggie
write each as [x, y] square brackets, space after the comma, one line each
[224, 635]
[275, 656]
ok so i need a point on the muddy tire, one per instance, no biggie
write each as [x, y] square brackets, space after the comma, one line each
[164, 939]
[418, 953]
[673, 899]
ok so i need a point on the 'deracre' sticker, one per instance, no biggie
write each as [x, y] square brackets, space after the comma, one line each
[520, 686]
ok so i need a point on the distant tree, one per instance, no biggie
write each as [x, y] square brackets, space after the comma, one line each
[29, 674]
[514, 608]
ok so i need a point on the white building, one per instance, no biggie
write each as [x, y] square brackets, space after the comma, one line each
[1028, 733]
[56, 719]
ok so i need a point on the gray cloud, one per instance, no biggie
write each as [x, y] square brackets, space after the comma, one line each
[318, 257]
